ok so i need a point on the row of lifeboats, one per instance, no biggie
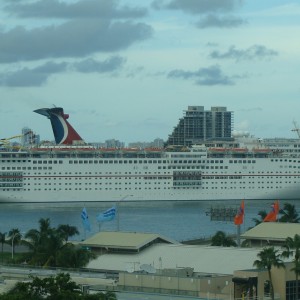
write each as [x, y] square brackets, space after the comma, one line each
[92, 149]
[240, 150]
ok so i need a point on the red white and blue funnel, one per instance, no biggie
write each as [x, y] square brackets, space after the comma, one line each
[64, 133]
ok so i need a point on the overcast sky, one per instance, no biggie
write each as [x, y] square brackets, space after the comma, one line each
[128, 69]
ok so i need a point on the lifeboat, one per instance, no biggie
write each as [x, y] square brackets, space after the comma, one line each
[153, 149]
[130, 149]
[218, 150]
[239, 150]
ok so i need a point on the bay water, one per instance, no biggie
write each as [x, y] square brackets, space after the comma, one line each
[183, 220]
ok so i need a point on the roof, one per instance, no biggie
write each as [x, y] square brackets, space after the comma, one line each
[204, 259]
[124, 240]
[272, 231]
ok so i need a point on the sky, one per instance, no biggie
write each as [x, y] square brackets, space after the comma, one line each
[128, 69]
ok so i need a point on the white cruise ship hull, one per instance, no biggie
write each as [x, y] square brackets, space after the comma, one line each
[177, 176]
[68, 173]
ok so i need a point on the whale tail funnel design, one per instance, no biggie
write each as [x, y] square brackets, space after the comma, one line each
[64, 133]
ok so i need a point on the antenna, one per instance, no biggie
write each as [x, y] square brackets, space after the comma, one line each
[297, 129]
[148, 269]
[129, 268]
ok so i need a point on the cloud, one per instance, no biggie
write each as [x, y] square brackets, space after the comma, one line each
[198, 6]
[214, 12]
[28, 77]
[90, 65]
[204, 76]
[72, 39]
[31, 77]
[220, 21]
[108, 9]
[251, 53]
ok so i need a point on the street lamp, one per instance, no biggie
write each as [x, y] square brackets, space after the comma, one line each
[118, 214]
[12, 244]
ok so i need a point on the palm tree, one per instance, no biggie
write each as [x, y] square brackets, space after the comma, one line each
[289, 213]
[67, 231]
[262, 214]
[2, 241]
[44, 243]
[49, 249]
[292, 248]
[269, 257]
[15, 238]
[220, 239]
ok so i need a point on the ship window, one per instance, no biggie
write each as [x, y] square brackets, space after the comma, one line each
[71, 161]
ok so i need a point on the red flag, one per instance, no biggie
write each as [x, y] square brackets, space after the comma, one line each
[239, 218]
[272, 215]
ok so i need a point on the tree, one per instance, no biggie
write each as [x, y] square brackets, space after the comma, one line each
[269, 257]
[2, 241]
[71, 256]
[289, 214]
[60, 287]
[262, 214]
[67, 231]
[44, 244]
[48, 247]
[292, 248]
[220, 239]
[15, 238]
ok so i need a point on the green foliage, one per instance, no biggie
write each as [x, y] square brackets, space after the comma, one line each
[59, 287]
[67, 231]
[289, 214]
[48, 247]
[292, 248]
[262, 214]
[2, 241]
[269, 257]
[220, 239]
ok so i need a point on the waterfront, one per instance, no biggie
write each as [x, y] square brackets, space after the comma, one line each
[176, 220]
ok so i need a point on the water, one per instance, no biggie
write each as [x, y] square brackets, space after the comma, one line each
[176, 220]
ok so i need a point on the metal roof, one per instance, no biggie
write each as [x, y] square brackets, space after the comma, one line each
[204, 259]
[272, 231]
[124, 240]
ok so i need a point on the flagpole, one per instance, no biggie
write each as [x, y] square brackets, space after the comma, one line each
[238, 227]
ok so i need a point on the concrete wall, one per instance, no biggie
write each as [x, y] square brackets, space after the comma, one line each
[216, 287]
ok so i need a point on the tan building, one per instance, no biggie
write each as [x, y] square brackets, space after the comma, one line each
[153, 264]
[270, 233]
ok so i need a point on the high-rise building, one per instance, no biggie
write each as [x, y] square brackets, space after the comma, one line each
[199, 125]
[28, 137]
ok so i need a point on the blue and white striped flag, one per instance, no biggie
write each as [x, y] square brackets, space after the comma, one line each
[85, 220]
[108, 215]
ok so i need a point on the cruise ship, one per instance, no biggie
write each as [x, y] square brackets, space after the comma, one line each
[74, 171]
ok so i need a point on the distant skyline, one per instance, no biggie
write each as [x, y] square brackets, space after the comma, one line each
[128, 69]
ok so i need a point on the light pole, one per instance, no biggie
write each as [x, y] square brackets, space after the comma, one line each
[118, 213]
[12, 244]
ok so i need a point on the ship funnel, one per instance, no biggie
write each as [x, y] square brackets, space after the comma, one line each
[64, 133]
